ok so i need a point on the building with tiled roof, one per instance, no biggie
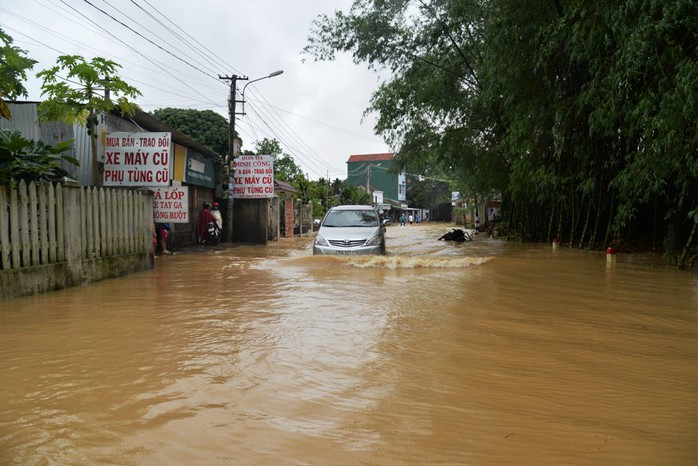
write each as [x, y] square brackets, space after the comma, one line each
[372, 173]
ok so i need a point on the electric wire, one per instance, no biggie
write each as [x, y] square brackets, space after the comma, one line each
[293, 136]
[162, 66]
[143, 27]
[298, 154]
[276, 135]
[203, 50]
[289, 138]
[150, 41]
[35, 41]
[120, 22]
[270, 120]
[325, 125]
[83, 21]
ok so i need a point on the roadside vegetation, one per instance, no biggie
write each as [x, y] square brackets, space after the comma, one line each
[22, 158]
[206, 127]
[76, 92]
[581, 114]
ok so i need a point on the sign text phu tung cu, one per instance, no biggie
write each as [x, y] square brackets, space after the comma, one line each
[254, 177]
[137, 159]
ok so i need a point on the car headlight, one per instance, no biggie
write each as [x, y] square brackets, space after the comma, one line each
[375, 241]
[320, 241]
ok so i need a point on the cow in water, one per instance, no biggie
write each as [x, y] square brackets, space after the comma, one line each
[456, 235]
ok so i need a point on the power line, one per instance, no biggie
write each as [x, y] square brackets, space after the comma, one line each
[203, 51]
[280, 138]
[161, 67]
[146, 28]
[164, 34]
[325, 125]
[294, 137]
[143, 37]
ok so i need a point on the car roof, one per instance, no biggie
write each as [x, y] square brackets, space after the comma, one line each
[353, 207]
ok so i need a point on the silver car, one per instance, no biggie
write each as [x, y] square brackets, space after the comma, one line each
[350, 230]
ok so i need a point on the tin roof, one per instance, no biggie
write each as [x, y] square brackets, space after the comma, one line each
[283, 186]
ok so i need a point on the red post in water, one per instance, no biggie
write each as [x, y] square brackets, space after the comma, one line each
[610, 254]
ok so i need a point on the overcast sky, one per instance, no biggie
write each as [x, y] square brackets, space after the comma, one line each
[315, 109]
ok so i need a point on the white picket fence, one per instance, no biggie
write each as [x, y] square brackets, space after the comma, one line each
[35, 220]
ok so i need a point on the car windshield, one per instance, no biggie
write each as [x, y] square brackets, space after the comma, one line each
[351, 218]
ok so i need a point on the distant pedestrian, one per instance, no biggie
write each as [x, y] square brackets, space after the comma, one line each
[411, 218]
[403, 219]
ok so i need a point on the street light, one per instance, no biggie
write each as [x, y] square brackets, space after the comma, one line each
[230, 158]
[270, 75]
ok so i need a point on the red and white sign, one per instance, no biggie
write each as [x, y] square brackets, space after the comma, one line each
[171, 204]
[254, 177]
[137, 159]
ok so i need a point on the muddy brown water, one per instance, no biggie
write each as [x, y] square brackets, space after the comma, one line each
[483, 353]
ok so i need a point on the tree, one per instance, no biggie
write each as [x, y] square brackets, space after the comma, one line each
[427, 193]
[24, 159]
[21, 158]
[350, 194]
[580, 113]
[13, 71]
[206, 127]
[95, 81]
[319, 192]
[286, 169]
[269, 147]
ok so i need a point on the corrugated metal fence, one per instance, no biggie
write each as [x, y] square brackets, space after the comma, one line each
[33, 224]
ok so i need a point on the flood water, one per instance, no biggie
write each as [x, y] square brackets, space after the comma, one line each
[482, 353]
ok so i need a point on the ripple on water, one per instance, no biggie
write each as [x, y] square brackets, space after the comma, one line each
[413, 262]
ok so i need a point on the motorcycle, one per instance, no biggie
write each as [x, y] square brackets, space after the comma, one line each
[214, 233]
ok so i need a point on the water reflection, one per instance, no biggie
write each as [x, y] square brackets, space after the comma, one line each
[478, 353]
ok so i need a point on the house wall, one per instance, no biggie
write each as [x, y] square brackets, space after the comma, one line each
[250, 217]
[25, 119]
[376, 174]
[302, 217]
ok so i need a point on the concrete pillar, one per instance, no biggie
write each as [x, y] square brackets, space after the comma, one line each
[72, 227]
[148, 222]
[288, 217]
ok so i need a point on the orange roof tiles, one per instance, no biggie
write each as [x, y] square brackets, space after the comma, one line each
[370, 157]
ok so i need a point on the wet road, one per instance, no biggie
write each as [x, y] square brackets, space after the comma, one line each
[483, 353]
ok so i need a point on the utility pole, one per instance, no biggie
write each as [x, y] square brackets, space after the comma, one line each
[233, 149]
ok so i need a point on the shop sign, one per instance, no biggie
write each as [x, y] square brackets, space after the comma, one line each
[254, 177]
[171, 204]
[136, 159]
